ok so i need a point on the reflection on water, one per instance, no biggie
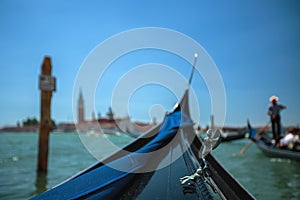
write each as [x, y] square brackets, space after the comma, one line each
[40, 183]
[286, 175]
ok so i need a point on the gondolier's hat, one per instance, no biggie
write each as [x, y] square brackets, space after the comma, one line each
[273, 98]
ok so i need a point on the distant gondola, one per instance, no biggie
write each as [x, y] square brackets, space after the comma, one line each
[230, 136]
[264, 143]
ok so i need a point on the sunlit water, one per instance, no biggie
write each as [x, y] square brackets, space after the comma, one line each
[263, 177]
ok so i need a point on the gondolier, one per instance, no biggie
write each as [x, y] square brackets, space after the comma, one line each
[274, 112]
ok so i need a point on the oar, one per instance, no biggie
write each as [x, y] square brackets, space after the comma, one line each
[261, 130]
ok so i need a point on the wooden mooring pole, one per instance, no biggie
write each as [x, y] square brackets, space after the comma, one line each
[46, 85]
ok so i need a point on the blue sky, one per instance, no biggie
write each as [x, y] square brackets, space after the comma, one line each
[255, 45]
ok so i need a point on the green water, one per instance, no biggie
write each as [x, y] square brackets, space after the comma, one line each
[18, 161]
[263, 177]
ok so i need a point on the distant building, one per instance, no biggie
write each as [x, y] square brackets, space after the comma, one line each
[110, 114]
[31, 128]
[66, 127]
[108, 124]
[80, 108]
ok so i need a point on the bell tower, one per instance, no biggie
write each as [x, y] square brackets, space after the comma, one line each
[80, 108]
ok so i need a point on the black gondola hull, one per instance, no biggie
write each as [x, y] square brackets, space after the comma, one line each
[275, 152]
